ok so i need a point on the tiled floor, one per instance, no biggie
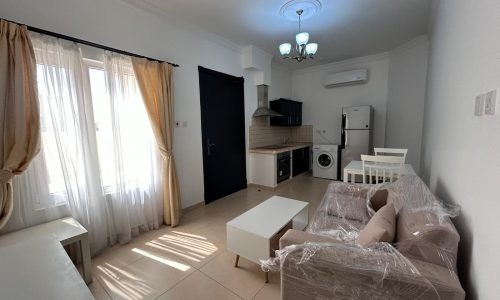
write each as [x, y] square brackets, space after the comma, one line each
[190, 261]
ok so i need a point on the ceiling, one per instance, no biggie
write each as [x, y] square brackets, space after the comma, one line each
[343, 28]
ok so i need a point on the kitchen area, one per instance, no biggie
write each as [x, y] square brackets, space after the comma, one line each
[279, 144]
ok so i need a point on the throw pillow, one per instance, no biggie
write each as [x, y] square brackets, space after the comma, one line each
[381, 228]
[378, 200]
[348, 207]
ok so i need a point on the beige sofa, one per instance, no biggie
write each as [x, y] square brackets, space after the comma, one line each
[326, 262]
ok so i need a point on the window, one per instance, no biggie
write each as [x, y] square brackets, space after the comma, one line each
[47, 123]
[125, 141]
[126, 149]
[99, 161]
[104, 133]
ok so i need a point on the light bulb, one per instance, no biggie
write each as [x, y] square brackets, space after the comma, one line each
[285, 48]
[302, 38]
[311, 48]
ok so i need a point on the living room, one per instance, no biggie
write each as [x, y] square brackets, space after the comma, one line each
[431, 70]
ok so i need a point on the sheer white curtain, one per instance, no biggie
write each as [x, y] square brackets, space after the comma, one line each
[135, 185]
[98, 161]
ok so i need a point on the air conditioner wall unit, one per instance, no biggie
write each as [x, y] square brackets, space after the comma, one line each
[346, 78]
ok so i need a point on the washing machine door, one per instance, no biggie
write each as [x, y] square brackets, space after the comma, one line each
[325, 160]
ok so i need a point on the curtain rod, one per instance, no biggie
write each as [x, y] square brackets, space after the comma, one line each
[84, 42]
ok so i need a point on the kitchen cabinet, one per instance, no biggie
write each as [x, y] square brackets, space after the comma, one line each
[265, 164]
[300, 161]
[291, 111]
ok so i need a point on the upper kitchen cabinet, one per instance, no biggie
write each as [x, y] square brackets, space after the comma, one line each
[291, 111]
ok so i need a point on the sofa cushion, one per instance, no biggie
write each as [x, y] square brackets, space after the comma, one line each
[425, 236]
[349, 207]
[381, 228]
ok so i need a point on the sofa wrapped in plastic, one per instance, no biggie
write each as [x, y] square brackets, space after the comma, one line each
[339, 270]
[327, 262]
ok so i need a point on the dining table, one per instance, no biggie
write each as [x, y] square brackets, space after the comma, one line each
[355, 167]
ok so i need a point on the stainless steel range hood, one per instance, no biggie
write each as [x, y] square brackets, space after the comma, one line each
[263, 109]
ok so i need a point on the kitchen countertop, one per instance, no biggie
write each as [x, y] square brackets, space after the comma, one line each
[279, 148]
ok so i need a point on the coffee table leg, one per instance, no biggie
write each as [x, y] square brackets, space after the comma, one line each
[267, 277]
[237, 259]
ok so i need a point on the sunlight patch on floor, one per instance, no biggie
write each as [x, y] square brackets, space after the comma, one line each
[123, 283]
[168, 262]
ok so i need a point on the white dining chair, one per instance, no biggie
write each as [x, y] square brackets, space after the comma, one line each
[391, 152]
[387, 168]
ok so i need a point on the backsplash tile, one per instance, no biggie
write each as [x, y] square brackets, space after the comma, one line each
[262, 134]
[302, 134]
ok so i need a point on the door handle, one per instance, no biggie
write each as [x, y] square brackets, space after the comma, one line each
[209, 145]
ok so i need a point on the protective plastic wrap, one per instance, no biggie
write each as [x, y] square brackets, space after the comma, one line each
[424, 228]
[411, 194]
[343, 210]
[348, 271]
[326, 262]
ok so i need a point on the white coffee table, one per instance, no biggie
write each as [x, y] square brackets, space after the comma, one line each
[250, 234]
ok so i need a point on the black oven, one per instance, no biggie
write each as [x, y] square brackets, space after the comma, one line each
[283, 166]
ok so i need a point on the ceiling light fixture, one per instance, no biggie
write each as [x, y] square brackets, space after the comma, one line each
[302, 49]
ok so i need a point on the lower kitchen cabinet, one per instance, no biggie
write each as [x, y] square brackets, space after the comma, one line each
[268, 168]
[300, 161]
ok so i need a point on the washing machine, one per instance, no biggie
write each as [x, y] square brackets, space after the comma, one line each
[326, 161]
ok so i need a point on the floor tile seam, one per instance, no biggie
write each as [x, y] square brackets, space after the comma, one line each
[169, 289]
[227, 288]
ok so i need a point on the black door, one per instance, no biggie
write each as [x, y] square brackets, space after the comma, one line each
[223, 133]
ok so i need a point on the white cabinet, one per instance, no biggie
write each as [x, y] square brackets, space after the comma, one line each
[263, 169]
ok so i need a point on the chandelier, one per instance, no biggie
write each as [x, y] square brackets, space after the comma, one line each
[302, 49]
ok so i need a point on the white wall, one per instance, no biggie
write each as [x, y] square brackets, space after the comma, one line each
[322, 107]
[281, 82]
[123, 26]
[461, 160]
[406, 98]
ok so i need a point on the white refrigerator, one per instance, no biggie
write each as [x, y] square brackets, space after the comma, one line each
[357, 134]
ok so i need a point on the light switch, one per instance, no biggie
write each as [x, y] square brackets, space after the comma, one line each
[184, 124]
[490, 104]
[479, 105]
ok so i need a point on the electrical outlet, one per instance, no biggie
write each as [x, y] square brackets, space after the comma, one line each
[490, 104]
[479, 105]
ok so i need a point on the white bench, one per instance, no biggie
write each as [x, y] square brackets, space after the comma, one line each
[38, 249]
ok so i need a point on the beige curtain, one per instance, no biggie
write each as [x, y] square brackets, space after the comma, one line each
[156, 85]
[19, 112]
